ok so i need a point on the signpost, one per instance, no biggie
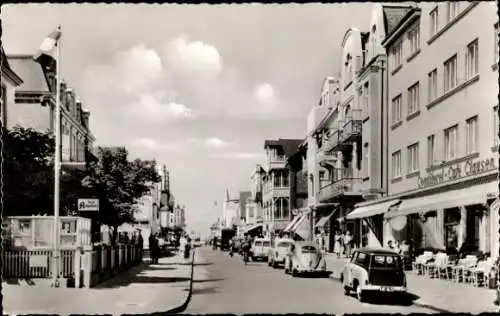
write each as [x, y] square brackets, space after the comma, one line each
[85, 205]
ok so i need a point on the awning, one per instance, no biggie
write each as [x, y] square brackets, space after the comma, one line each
[371, 210]
[294, 221]
[302, 228]
[454, 198]
[322, 221]
[253, 227]
[299, 221]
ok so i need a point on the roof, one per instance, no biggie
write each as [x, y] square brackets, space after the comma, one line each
[5, 66]
[393, 15]
[31, 72]
[377, 251]
[289, 146]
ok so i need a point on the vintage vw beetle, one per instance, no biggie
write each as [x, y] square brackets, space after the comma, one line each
[374, 270]
[278, 251]
[304, 257]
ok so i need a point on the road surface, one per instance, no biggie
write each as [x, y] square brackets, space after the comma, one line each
[225, 285]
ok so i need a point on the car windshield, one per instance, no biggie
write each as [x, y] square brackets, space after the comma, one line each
[308, 249]
[258, 243]
[386, 261]
[266, 243]
[284, 244]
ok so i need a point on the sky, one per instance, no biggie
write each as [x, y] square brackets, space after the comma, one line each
[196, 87]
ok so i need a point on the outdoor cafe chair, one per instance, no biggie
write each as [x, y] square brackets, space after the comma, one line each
[420, 261]
[434, 268]
[463, 265]
[481, 273]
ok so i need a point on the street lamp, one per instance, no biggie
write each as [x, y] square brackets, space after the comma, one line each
[47, 47]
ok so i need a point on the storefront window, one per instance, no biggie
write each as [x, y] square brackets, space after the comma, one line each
[451, 227]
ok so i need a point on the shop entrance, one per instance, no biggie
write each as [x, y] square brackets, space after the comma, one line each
[473, 219]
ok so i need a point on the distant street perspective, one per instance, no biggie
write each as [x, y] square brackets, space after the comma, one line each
[253, 158]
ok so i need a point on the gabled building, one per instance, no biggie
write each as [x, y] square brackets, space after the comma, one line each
[10, 81]
[276, 195]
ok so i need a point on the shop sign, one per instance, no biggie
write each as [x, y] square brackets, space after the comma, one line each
[457, 171]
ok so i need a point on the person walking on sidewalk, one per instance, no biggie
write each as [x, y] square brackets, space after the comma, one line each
[348, 244]
[187, 248]
[337, 246]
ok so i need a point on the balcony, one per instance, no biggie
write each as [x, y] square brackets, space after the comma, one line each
[332, 190]
[275, 162]
[277, 192]
[352, 128]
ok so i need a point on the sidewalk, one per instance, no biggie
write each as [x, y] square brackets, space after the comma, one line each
[143, 289]
[438, 294]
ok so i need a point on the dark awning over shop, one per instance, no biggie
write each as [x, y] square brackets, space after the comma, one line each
[454, 198]
[323, 220]
[371, 210]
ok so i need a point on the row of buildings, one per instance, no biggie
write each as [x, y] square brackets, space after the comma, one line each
[403, 143]
[28, 99]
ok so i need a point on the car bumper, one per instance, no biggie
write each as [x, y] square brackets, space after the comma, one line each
[311, 270]
[383, 288]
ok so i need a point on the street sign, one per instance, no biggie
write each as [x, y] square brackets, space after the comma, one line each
[85, 205]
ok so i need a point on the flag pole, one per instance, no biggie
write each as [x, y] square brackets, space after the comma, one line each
[57, 166]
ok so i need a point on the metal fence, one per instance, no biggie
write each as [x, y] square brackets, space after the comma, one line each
[35, 263]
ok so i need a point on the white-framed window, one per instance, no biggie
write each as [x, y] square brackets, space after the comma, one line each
[472, 59]
[397, 55]
[366, 97]
[414, 39]
[412, 156]
[366, 160]
[396, 164]
[431, 150]
[451, 143]
[396, 109]
[433, 85]
[434, 21]
[496, 39]
[496, 138]
[452, 9]
[471, 135]
[450, 73]
[413, 98]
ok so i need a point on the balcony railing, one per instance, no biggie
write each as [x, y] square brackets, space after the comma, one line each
[275, 162]
[352, 127]
[332, 190]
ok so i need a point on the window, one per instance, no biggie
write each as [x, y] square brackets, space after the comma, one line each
[451, 10]
[431, 150]
[496, 37]
[381, 261]
[397, 55]
[413, 98]
[366, 97]
[432, 89]
[366, 161]
[471, 135]
[396, 164]
[414, 39]
[396, 109]
[434, 18]
[471, 60]
[362, 259]
[450, 73]
[413, 158]
[451, 143]
[496, 139]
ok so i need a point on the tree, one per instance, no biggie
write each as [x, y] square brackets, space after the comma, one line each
[119, 184]
[28, 174]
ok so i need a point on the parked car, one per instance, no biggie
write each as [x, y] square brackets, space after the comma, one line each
[374, 270]
[304, 257]
[278, 251]
[260, 249]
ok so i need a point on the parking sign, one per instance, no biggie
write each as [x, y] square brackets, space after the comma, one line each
[85, 205]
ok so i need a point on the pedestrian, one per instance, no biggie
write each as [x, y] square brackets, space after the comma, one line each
[337, 245]
[348, 243]
[152, 247]
[187, 248]
[140, 244]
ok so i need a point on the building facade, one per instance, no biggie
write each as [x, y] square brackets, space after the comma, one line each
[35, 108]
[231, 212]
[276, 188]
[10, 81]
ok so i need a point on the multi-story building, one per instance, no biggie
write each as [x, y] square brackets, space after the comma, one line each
[35, 108]
[257, 189]
[10, 81]
[276, 195]
[442, 139]
[230, 212]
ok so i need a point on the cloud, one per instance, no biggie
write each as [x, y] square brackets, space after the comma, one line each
[237, 155]
[157, 106]
[152, 144]
[264, 93]
[131, 71]
[210, 143]
[193, 55]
